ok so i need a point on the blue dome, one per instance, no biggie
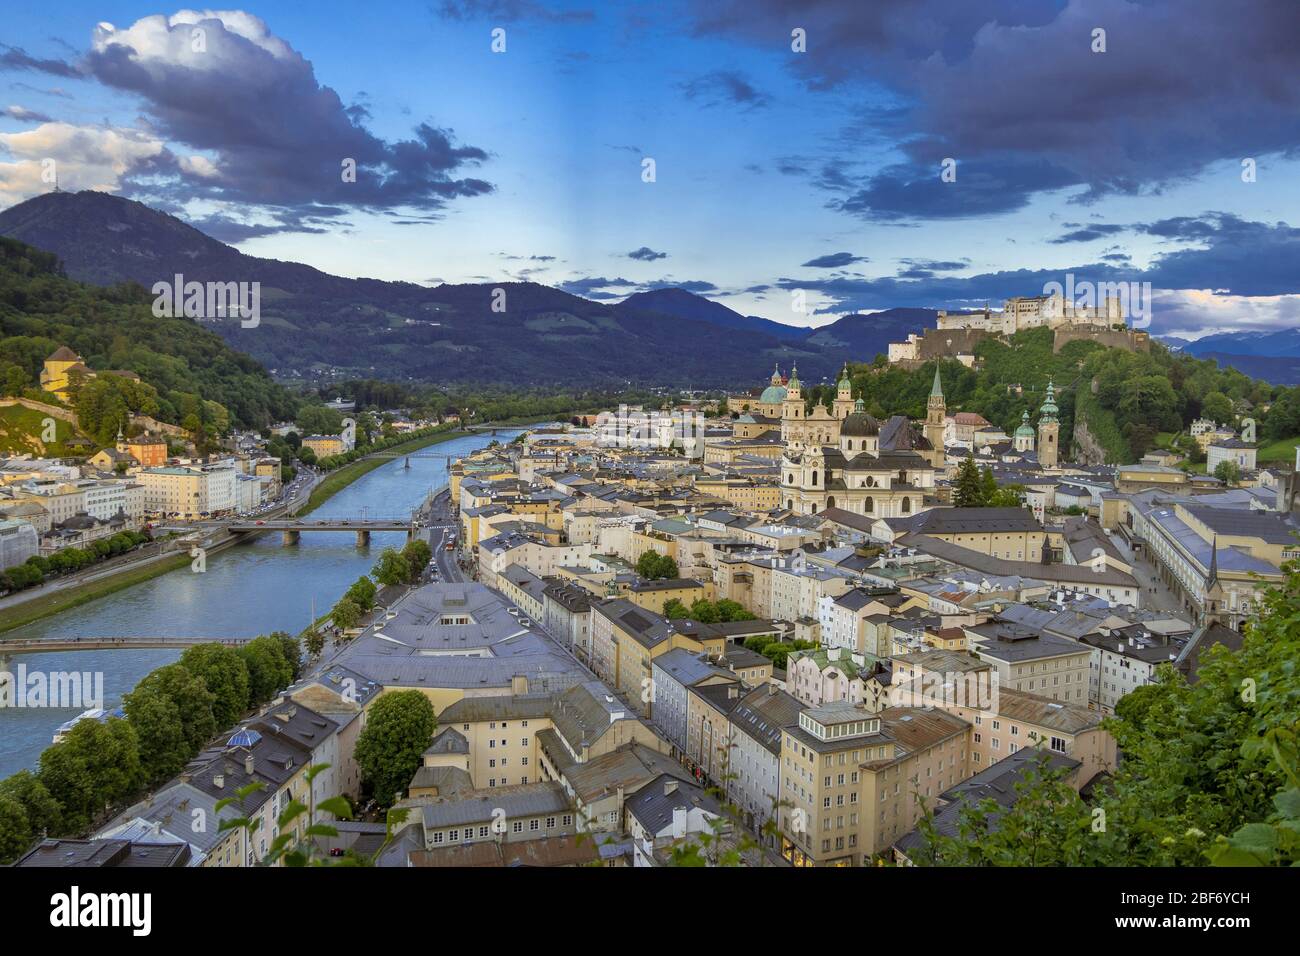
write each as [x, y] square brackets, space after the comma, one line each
[245, 738]
[773, 395]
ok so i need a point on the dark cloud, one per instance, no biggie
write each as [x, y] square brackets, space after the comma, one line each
[16, 58]
[646, 254]
[278, 137]
[1088, 233]
[508, 11]
[1232, 256]
[723, 87]
[1013, 91]
[833, 260]
[24, 115]
[592, 286]
[690, 285]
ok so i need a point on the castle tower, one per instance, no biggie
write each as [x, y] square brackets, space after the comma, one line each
[843, 406]
[936, 414]
[1024, 437]
[1049, 430]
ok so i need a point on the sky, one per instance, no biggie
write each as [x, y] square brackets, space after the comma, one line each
[810, 159]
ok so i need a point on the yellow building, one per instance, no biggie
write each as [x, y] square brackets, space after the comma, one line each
[63, 370]
[325, 446]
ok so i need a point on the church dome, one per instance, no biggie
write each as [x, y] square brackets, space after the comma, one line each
[773, 394]
[859, 424]
[1025, 430]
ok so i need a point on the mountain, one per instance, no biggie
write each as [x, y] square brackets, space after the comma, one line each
[688, 305]
[1275, 369]
[1282, 342]
[317, 326]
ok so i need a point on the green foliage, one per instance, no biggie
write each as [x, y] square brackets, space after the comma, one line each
[417, 554]
[346, 614]
[653, 566]
[190, 694]
[268, 671]
[1228, 472]
[391, 747]
[675, 610]
[114, 328]
[362, 593]
[156, 718]
[224, 672]
[391, 568]
[94, 767]
[967, 491]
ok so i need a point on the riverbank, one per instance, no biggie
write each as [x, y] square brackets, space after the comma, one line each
[56, 602]
[336, 481]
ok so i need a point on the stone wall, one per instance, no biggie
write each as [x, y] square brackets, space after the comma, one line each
[1126, 339]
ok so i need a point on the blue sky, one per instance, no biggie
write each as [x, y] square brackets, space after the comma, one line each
[776, 171]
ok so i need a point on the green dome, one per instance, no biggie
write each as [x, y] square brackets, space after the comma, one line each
[773, 394]
[844, 381]
[1025, 430]
[1049, 409]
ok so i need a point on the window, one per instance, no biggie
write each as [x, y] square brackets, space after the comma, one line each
[437, 837]
[517, 826]
[534, 823]
[453, 836]
[483, 831]
[550, 823]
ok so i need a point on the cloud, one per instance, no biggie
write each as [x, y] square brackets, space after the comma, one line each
[16, 58]
[1014, 92]
[261, 132]
[646, 254]
[1088, 233]
[833, 260]
[509, 11]
[722, 87]
[24, 115]
[84, 158]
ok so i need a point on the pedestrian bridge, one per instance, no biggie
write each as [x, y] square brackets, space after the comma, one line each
[35, 645]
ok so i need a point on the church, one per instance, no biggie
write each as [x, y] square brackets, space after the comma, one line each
[843, 458]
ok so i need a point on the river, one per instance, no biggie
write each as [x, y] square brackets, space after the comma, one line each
[252, 588]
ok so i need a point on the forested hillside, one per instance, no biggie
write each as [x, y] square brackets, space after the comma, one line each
[1131, 397]
[188, 375]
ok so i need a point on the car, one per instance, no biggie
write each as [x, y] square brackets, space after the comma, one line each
[261, 522]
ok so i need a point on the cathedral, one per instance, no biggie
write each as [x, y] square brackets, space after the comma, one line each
[843, 458]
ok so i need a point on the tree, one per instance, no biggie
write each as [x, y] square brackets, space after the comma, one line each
[315, 642]
[346, 614]
[292, 650]
[417, 554]
[96, 765]
[362, 593]
[729, 610]
[194, 701]
[1217, 407]
[164, 751]
[392, 745]
[224, 672]
[705, 612]
[391, 568]
[44, 815]
[1228, 472]
[654, 566]
[988, 487]
[675, 610]
[268, 671]
[967, 490]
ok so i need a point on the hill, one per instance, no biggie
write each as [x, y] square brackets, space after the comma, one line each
[319, 327]
[186, 372]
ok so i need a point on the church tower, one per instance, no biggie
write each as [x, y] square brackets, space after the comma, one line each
[1049, 430]
[843, 407]
[936, 414]
[1024, 437]
[792, 410]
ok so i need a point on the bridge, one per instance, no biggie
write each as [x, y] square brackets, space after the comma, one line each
[34, 645]
[292, 528]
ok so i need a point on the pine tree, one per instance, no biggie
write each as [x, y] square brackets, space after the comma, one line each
[967, 492]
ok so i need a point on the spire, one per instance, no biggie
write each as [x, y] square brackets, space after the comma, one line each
[1213, 577]
[936, 390]
[794, 377]
[776, 374]
[859, 406]
[845, 382]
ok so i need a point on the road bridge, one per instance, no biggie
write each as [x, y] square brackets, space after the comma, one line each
[35, 645]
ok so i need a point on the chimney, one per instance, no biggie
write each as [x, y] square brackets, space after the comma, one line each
[679, 822]
[670, 787]
[248, 765]
[771, 688]
[219, 781]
